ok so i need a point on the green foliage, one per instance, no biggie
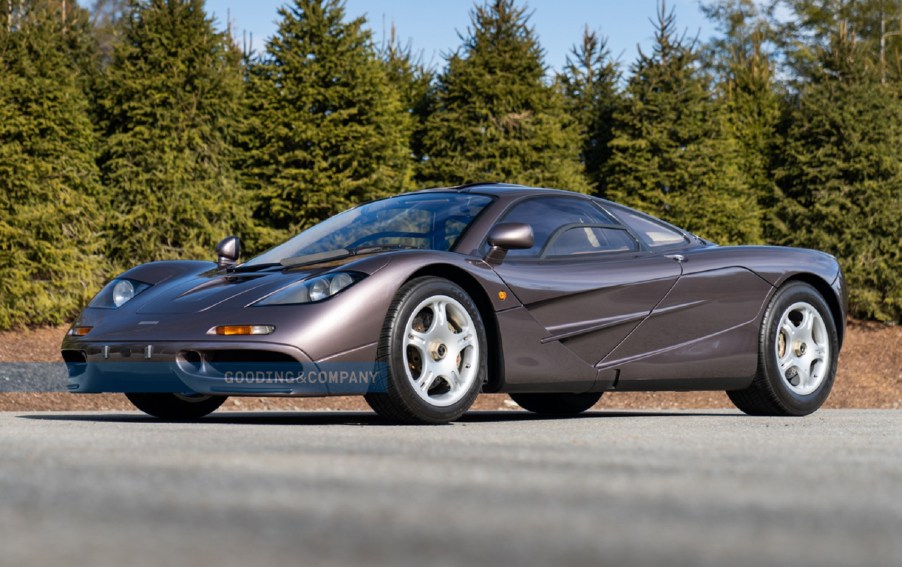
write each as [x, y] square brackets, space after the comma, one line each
[806, 27]
[137, 132]
[670, 155]
[328, 129]
[170, 105]
[589, 83]
[842, 177]
[49, 183]
[495, 119]
[745, 65]
[413, 81]
[107, 17]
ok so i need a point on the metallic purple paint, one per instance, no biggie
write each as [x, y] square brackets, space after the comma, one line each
[687, 317]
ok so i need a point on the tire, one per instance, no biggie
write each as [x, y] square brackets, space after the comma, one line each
[557, 404]
[434, 370]
[176, 406]
[797, 352]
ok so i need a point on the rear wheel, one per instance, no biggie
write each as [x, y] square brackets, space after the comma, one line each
[176, 406]
[556, 404]
[798, 349]
[433, 347]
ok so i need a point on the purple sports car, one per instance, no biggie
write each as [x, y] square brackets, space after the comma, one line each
[421, 301]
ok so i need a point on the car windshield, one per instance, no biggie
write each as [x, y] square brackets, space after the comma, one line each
[431, 221]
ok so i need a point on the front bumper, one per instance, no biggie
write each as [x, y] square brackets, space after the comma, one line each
[214, 368]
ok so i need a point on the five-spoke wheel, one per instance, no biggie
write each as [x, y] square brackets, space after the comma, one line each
[433, 349]
[798, 348]
[802, 348]
[441, 350]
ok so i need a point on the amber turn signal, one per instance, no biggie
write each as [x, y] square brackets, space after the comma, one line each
[241, 330]
[79, 331]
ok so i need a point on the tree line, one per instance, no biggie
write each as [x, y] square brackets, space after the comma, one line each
[135, 130]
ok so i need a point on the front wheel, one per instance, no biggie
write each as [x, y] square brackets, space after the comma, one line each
[176, 406]
[798, 350]
[557, 404]
[433, 347]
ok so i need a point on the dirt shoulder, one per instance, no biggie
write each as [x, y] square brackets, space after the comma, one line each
[869, 376]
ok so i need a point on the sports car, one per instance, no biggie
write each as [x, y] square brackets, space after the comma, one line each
[423, 300]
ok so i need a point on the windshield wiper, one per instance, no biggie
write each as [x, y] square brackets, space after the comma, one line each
[338, 254]
[315, 258]
[252, 267]
[383, 248]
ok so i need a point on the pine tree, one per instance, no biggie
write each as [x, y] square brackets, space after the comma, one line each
[327, 129]
[670, 155]
[744, 60]
[842, 177]
[106, 21]
[413, 81]
[589, 83]
[171, 103]
[495, 119]
[753, 115]
[49, 183]
[807, 27]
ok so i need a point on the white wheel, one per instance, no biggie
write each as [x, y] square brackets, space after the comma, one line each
[802, 347]
[797, 351]
[433, 348]
[441, 350]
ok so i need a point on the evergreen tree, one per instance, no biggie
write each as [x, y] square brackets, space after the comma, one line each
[328, 129]
[171, 103]
[753, 116]
[842, 177]
[413, 81]
[807, 28]
[49, 183]
[743, 58]
[670, 155]
[106, 20]
[495, 119]
[589, 83]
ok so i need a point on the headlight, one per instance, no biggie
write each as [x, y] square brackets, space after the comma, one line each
[313, 290]
[122, 292]
[117, 293]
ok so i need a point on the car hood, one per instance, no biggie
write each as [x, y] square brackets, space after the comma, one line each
[213, 289]
[201, 293]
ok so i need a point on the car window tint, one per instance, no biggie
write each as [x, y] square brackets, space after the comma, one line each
[589, 240]
[654, 234]
[433, 221]
[548, 214]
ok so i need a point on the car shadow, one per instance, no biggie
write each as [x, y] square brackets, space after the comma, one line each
[355, 418]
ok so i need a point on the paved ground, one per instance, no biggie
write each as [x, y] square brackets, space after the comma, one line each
[688, 488]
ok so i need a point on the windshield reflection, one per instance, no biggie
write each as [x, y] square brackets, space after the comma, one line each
[429, 221]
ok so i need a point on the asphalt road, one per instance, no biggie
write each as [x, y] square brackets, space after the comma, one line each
[501, 488]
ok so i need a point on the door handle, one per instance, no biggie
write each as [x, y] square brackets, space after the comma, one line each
[678, 258]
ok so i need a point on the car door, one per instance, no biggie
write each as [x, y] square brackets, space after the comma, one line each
[586, 281]
[705, 329]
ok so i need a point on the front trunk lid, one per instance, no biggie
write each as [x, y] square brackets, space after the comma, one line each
[200, 294]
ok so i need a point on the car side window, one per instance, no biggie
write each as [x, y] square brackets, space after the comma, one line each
[588, 240]
[548, 215]
[652, 233]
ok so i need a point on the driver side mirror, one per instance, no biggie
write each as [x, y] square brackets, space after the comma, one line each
[228, 251]
[508, 236]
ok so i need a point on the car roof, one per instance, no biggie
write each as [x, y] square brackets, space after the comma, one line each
[499, 189]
